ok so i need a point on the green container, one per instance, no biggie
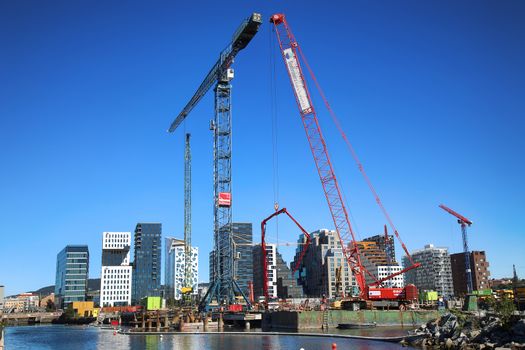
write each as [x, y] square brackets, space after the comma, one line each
[482, 292]
[428, 295]
[471, 303]
[153, 303]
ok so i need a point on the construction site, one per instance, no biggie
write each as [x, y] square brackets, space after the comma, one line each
[265, 175]
[334, 279]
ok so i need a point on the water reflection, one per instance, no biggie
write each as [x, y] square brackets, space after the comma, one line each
[75, 337]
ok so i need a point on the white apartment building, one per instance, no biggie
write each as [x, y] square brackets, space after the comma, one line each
[174, 272]
[271, 266]
[116, 274]
[435, 272]
[387, 270]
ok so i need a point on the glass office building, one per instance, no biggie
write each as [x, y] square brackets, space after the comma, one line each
[72, 273]
[147, 263]
[242, 238]
[243, 242]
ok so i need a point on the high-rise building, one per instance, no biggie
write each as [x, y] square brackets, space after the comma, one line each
[243, 263]
[174, 269]
[479, 267]
[379, 263]
[116, 274]
[72, 273]
[435, 272]
[281, 283]
[318, 269]
[147, 261]
[271, 265]
[243, 240]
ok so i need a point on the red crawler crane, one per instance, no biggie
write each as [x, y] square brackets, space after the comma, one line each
[290, 51]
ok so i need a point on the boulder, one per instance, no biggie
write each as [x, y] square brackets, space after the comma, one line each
[519, 328]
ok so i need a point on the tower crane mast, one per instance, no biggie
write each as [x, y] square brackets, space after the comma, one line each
[187, 216]
[222, 275]
[463, 222]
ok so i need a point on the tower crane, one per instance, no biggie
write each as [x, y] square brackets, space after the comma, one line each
[291, 52]
[188, 285]
[223, 281]
[463, 222]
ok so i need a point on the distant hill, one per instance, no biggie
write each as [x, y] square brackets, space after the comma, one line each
[93, 284]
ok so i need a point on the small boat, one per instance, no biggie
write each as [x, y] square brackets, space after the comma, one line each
[356, 325]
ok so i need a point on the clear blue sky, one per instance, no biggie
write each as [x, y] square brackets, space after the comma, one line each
[432, 95]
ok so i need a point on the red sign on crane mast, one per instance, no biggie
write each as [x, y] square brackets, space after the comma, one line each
[225, 199]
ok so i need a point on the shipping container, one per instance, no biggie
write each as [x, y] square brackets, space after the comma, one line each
[428, 295]
[153, 303]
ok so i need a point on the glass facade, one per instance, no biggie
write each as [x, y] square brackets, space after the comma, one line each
[72, 273]
[242, 238]
[146, 264]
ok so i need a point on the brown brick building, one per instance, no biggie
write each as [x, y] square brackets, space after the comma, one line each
[480, 272]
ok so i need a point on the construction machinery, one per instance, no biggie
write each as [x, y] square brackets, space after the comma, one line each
[223, 284]
[291, 53]
[518, 289]
[264, 259]
[463, 222]
[188, 278]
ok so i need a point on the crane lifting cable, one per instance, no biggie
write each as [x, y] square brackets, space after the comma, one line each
[350, 147]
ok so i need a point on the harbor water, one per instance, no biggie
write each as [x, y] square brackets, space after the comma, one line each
[58, 337]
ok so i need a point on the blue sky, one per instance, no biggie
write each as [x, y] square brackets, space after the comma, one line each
[430, 93]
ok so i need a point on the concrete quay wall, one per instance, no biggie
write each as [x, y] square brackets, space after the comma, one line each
[296, 320]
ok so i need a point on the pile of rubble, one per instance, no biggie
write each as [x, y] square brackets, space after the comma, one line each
[471, 332]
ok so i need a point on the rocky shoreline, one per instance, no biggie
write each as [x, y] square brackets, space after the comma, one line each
[470, 331]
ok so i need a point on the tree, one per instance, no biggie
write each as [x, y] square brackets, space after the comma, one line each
[50, 305]
[69, 313]
[505, 309]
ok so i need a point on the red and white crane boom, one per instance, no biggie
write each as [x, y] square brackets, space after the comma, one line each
[291, 51]
[331, 188]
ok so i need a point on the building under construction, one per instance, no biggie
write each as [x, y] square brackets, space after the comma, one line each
[385, 243]
[378, 261]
